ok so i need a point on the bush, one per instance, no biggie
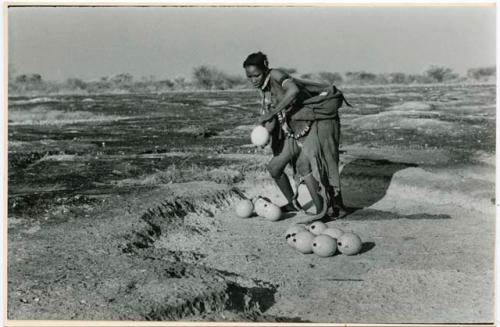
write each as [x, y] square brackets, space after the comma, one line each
[211, 78]
[330, 78]
[419, 79]
[208, 77]
[323, 77]
[28, 83]
[75, 83]
[440, 74]
[360, 77]
[398, 78]
[122, 81]
[180, 83]
[165, 84]
[482, 74]
[29, 79]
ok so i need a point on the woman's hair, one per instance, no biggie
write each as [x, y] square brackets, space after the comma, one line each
[257, 59]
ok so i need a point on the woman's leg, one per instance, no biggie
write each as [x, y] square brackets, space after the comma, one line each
[286, 188]
[304, 170]
[337, 201]
[328, 135]
[313, 188]
[276, 168]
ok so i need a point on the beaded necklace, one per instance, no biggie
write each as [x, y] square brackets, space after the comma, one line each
[282, 120]
[266, 106]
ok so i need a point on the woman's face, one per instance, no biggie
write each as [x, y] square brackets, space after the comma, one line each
[255, 75]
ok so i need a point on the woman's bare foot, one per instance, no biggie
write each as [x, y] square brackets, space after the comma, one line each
[321, 209]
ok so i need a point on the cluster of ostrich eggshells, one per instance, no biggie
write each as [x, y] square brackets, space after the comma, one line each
[260, 206]
[322, 240]
[315, 238]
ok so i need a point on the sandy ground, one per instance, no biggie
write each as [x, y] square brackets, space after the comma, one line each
[427, 257]
[122, 208]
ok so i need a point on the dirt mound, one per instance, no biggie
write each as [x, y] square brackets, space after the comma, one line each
[411, 114]
[414, 186]
[387, 121]
[33, 101]
[169, 216]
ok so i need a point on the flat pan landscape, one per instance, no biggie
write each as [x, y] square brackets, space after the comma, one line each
[121, 208]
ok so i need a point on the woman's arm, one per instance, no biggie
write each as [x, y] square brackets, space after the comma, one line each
[291, 89]
[291, 92]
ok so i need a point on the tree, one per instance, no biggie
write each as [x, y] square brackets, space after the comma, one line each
[482, 73]
[148, 79]
[35, 78]
[21, 78]
[76, 83]
[211, 78]
[440, 74]
[330, 78]
[180, 83]
[204, 76]
[381, 79]
[361, 77]
[125, 79]
[168, 84]
[398, 78]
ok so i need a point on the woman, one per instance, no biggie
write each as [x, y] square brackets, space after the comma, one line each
[309, 144]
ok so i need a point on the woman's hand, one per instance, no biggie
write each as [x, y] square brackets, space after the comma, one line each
[263, 120]
[270, 124]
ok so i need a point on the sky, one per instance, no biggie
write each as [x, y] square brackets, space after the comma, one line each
[167, 42]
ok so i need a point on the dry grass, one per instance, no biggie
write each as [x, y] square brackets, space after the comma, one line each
[195, 130]
[175, 174]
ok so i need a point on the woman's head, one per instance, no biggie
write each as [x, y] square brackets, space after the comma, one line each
[256, 67]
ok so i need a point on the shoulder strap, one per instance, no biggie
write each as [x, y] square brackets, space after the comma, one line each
[266, 81]
[345, 100]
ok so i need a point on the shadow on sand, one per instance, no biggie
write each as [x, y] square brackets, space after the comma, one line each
[365, 181]
[367, 246]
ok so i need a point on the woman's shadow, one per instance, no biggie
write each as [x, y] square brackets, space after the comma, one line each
[364, 182]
